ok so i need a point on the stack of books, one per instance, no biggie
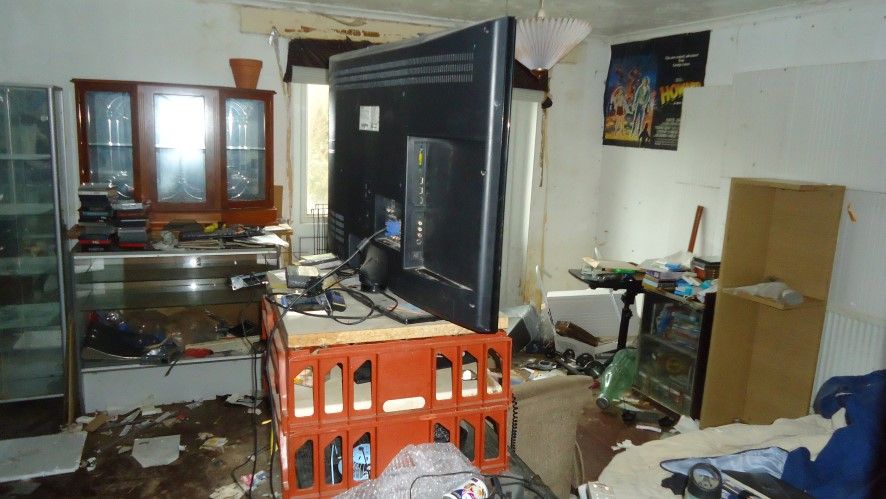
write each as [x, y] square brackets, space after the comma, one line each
[131, 220]
[662, 279]
[706, 267]
[96, 212]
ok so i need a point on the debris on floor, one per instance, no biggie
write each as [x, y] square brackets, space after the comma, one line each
[248, 482]
[214, 443]
[229, 491]
[89, 464]
[96, 422]
[244, 400]
[157, 451]
[130, 417]
[23, 458]
[72, 428]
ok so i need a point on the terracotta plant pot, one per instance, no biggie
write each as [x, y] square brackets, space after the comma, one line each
[246, 72]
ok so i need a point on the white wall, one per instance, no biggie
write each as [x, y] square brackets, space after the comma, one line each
[563, 218]
[169, 41]
[795, 97]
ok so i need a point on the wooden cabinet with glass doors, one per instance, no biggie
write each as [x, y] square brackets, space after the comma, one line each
[194, 152]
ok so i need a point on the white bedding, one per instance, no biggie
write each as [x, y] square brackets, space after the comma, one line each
[636, 471]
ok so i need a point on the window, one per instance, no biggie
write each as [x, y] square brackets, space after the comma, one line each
[310, 157]
[317, 141]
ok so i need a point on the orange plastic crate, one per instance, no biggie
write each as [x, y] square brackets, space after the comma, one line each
[310, 468]
[349, 383]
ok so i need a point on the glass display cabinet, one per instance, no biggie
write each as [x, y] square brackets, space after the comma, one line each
[675, 334]
[195, 152]
[33, 303]
[126, 300]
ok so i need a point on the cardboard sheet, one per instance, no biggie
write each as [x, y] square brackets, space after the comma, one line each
[23, 458]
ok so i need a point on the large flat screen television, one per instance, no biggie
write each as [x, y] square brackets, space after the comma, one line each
[418, 146]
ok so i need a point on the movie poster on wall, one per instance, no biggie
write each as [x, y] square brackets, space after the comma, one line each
[644, 89]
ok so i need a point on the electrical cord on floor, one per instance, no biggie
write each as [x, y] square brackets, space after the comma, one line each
[244, 463]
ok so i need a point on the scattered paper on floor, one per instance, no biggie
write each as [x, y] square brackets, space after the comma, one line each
[23, 458]
[157, 451]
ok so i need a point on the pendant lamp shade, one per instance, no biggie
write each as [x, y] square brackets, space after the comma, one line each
[542, 42]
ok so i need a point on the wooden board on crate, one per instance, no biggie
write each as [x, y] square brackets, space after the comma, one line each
[309, 331]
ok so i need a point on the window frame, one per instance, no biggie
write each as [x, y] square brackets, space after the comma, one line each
[301, 78]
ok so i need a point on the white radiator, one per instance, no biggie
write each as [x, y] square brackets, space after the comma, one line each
[850, 345]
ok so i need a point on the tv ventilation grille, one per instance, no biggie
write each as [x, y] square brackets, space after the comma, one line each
[438, 69]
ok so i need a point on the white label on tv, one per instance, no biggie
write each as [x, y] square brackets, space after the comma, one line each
[369, 118]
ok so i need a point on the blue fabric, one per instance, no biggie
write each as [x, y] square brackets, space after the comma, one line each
[767, 460]
[847, 465]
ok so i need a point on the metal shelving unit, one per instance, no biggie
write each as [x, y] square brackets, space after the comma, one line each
[33, 253]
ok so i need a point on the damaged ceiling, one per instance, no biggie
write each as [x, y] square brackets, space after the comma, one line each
[607, 17]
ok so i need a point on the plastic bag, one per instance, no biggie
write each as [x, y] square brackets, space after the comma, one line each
[425, 470]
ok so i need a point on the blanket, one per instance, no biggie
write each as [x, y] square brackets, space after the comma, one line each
[637, 471]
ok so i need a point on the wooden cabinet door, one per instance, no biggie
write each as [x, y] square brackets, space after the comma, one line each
[247, 146]
[180, 148]
[107, 132]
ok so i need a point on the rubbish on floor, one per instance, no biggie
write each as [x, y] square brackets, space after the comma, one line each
[131, 417]
[203, 435]
[124, 449]
[595, 490]
[150, 410]
[618, 377]
[229, 491]
[89, 464]
[84, 419]
[648, 428]
[425, 470]
[255, 411]
[23, 458]
[126, 430]
[624, 444]
[576, 332]
[156, 451]
[96, 422]
[244, 400]
[248, 482]
[72, 428]
[214, 443]
[164, 416]
[195, 404]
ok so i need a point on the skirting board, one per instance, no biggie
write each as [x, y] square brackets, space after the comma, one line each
[120, 389]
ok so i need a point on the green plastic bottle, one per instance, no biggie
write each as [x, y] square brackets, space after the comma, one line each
[618, 377]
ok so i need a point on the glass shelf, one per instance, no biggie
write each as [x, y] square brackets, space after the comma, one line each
[661, 342]
[160, 294]
[90, 365]
[24, 209]
[25, 157]
[29, 315]
[110, 267]
[27, 266]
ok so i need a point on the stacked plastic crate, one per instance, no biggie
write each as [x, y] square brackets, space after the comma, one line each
[343, 412]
